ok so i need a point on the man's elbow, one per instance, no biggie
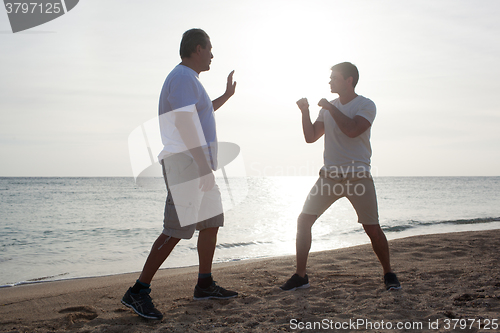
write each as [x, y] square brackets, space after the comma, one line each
[352, 134]
[181, 121]
[359, 127]
[311, 139]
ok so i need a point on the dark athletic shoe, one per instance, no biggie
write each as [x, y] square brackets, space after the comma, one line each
[142, 304]
[296, 282]
[391, 282]
[214, 291]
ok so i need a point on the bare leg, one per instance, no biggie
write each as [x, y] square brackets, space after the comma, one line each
[207, 239]
[379, 245]
[161, 249]
[303, 241]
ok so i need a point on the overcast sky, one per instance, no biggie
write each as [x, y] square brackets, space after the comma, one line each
[73, 89]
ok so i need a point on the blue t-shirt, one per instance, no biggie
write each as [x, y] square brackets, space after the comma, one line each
[183, 92]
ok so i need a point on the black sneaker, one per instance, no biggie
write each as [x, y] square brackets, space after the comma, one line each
[296, 282]
[142, 304]
[214, 291]
[391, 282]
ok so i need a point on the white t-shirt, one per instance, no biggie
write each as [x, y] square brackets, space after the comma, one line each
[183, 92]
[344, 154]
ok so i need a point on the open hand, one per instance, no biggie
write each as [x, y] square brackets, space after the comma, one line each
[231, 86]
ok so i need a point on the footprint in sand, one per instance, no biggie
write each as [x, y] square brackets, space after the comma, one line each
[79, 313]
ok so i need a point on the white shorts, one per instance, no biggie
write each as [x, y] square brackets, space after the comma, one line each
[187, 208]
[358, 189]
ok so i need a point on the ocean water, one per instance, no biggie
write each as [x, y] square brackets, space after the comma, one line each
[61, 228]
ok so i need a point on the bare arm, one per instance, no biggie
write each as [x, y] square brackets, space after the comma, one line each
[230, 89]
[187, 130]
[312, 132]
[352, 127]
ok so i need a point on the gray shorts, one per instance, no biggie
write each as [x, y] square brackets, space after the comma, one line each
[198, 210]
[358, 189]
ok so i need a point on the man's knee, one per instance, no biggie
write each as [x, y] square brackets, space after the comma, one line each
[374, 231]
[209, 231]
[305, 221]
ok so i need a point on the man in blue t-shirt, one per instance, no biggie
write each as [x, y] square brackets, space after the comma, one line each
[188, 158]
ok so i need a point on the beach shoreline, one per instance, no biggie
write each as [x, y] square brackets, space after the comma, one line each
[446, 278]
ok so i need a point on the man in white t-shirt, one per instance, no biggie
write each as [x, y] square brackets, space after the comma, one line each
[346, 123]
[189, 157]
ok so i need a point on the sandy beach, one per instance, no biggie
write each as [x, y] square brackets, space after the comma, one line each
[451, 283]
